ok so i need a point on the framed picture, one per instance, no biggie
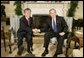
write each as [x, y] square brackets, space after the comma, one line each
[4, 2]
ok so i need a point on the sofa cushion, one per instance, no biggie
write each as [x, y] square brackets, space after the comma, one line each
[77, 53]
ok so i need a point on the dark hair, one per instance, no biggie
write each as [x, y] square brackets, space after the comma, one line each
[28, 9]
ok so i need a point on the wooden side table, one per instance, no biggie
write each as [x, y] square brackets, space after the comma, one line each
[79, 39]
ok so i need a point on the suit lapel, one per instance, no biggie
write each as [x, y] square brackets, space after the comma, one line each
[57, 20]
[26, 22]
[50, 22]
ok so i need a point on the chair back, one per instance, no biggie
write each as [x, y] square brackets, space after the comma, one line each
[69, 21]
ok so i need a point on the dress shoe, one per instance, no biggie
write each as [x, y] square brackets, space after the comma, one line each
[29, 51]
[57, 53]
[20, 51]
[44, 53]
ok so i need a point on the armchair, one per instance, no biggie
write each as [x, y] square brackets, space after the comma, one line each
[69, 21]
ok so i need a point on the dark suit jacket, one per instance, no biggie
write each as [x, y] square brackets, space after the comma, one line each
[24, 27]
[61, 24]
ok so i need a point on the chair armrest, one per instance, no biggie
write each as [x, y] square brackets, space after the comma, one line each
[70, 36]
[10, 29]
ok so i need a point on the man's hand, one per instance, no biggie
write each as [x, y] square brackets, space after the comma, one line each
[62, 33]
[36, 30]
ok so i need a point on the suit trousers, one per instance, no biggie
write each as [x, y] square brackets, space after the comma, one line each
[48, 36]
[28, 37]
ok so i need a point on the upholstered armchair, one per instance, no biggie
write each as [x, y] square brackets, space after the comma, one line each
[67, 40]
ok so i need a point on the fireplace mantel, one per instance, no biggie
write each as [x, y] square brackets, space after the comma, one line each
[44, 8]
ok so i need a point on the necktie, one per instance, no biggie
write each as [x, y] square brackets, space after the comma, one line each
[28, 21]
[54, 26]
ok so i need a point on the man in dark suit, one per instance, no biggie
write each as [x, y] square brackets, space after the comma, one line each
[56, 27]
[25, 30]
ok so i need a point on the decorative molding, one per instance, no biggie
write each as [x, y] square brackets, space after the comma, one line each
[46, 2]
[4, 2]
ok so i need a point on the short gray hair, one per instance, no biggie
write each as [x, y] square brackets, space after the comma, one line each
[52, 9]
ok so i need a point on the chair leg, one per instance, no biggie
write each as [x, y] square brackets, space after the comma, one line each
[4, 44]
[4, 40]
[68, 44]
[10, 49]
[10, 43]
[66, 52]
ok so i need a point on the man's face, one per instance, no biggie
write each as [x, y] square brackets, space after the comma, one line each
[27, 13]
[52, 13]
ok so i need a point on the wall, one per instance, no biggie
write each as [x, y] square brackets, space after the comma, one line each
[79, 10]
[44, 8]
[9, 8]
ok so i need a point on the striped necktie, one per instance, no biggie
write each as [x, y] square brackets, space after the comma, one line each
[54, 26]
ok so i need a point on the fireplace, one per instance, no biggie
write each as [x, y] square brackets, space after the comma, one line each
[39, 21]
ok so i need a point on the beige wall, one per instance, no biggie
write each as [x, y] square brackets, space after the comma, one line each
[43, 8]
[9, 8]
[79, 10]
